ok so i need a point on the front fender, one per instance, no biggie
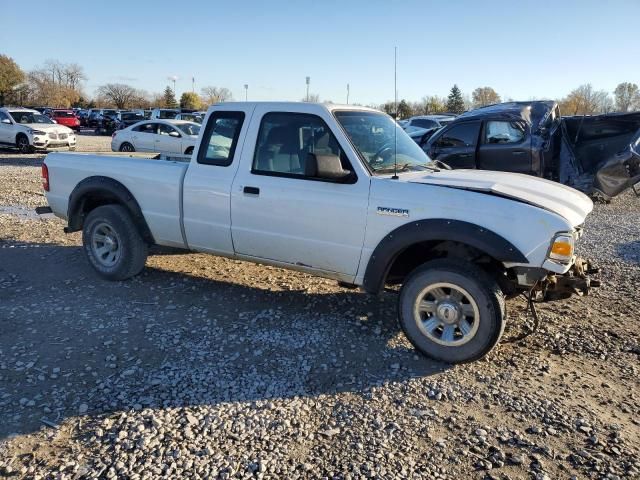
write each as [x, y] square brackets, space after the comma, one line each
[397, 241]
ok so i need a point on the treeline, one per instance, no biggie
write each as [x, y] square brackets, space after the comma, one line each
[584, 100]
[57, 84]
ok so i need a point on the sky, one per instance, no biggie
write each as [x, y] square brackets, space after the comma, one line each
[524, 50]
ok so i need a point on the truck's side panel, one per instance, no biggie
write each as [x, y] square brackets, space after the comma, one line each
[155, 184]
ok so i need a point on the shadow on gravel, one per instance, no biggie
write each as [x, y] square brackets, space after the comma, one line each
[629, 252]
[71, 343]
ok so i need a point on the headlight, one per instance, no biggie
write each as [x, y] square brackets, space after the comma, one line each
[562, 248]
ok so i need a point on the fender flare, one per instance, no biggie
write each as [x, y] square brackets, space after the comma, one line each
[104, 188]
[397, 241]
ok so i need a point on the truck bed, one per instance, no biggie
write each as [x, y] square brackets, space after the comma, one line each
[154, 180]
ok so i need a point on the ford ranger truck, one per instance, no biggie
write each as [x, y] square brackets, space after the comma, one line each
[340, 192]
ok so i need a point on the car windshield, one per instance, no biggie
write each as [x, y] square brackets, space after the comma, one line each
[382, 143]
[189, 128]
[109, 112]
[29, 117]
[167, 114]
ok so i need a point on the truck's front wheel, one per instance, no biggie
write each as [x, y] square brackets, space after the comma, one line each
[451, 311]
[113, 244]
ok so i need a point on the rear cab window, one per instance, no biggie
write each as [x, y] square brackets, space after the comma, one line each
[220, 138]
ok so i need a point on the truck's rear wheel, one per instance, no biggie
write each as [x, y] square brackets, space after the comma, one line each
[451, 311]
[113, 244]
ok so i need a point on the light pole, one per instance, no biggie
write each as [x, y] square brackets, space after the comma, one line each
[347, 94]
[308, 82]
[246, 91]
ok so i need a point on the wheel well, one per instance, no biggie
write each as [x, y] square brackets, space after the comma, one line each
[188, 151]
[21, 134]
[419, 253]
[99, 191]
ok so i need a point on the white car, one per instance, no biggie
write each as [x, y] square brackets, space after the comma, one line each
[28, 130]
[341, 192]
[421, 122]
[160, 136]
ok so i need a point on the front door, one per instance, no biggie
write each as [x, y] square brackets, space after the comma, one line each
[456, 146]
[6, 129]
[280, 213]
[168, 139]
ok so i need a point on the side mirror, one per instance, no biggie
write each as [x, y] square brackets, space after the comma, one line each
[174, 134]
[325, 166]
[6, 120]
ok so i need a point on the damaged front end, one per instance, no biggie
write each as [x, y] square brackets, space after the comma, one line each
[577, 281]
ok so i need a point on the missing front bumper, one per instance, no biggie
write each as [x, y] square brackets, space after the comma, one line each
[577, 281]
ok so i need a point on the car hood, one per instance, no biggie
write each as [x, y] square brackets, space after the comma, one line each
[565, 201]
[48, 127]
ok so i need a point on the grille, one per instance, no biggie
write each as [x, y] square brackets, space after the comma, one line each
[62, 136]
[53, 135]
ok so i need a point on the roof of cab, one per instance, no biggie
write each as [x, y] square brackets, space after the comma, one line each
[284, 106]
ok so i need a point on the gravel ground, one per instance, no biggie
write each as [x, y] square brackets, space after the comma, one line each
[205, 367]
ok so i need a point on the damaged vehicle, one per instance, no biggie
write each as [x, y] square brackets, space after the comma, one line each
[598, 155]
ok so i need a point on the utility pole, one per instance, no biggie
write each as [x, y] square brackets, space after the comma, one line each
[193, 84]
[246, 91]
[347, 94]
[308, 81]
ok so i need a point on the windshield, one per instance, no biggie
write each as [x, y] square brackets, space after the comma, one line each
[189, 128]
[167, 114]
[29, 117]
[382, 143]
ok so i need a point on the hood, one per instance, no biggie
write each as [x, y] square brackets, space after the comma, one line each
[48, 127]
[567, 202]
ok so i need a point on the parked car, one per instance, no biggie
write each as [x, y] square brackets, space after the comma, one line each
[164, 113]
[317, 188]
[96, 116]
[196, 117]
[28, 130]
[126, 119]
[598, 155]
[427, 122]
[66, 118]
[160, 136]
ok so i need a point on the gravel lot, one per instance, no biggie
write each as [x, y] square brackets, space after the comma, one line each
[205, 367]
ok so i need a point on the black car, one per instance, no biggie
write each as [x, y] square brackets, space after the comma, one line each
[595, 154]
[126, 119]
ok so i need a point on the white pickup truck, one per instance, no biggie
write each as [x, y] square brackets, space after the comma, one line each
[343, 193]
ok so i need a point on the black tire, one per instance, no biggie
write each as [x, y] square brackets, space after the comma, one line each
[488, 319]
[127, 147]
[130, 245]
[22, 144]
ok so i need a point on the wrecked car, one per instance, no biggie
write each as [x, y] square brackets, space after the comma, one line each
[599, 155]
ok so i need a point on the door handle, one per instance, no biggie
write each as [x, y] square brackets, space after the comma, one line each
[518, 152]
[465, 155]
[251, 190]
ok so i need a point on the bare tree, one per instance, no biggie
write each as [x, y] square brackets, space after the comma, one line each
[120, 94]
[627, 97]
[584, 100]
[211, 95]
[483, 96]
